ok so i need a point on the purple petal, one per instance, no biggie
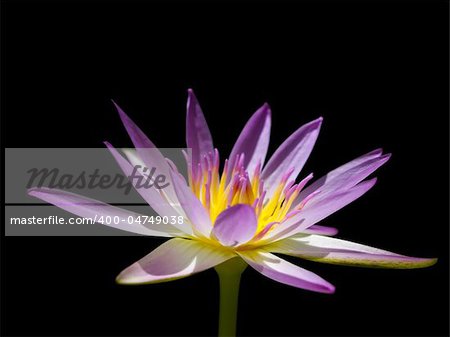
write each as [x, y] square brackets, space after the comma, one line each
[196, 213]
[285, 272]
[138, 137]
[94, 209]
[345, 176]
[321, 230]
[235, 225]
[167, 193]
[253, 141]
[150, 195]
[310, 215]
[292, 154]
[172, 260]
[146, 150]
[198, 136]
[335, 251]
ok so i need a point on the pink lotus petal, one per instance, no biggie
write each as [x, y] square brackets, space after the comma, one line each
[345, 176]
[94, 209]
[253, 141]
[317, 212]
[172, 260]
[235, 225]
[293, 153]
[198, 136]
[285, 272]
[150, 195]
[196, 213]
[146, 150]
[321, 230]
[167, 193]
[336, 251]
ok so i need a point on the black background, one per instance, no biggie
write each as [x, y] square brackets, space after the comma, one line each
[376, 71]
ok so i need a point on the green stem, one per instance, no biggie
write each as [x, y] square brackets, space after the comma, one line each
[229, 276]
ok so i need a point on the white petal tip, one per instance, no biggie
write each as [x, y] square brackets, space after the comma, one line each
[123, 280]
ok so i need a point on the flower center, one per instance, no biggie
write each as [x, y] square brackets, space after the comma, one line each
[236, 186]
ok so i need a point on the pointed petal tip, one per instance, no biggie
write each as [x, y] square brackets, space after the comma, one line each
[116, 105]
[333, 231]
[329, 289]
[34, 191]
[386, 156]
[265, 110]
[191, 94]
[266, 107]
[322, 230]
[378, 150]
[369, 183]
[427, 262]
[123, 280]
[122, 114]
[316, 123]
[382, 159]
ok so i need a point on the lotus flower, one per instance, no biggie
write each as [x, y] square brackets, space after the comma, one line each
[245, 213]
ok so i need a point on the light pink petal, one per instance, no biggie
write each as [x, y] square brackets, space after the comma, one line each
[172, 260]
[346, 176]
[285, 272]
[321, 230]
[151, 195]
[335, 251]
[95, 210]
[146, 150]
[169, 198]
[253, 141]
[319, 211]
[235, 225]
[196, 213]
[292, 154]
[198, 136]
